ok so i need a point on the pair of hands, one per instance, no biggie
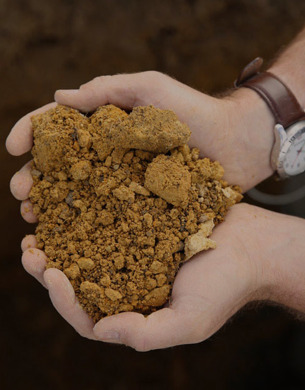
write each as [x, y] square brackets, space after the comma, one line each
[249, 262]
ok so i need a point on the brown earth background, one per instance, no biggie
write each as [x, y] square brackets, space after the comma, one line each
[46, 45]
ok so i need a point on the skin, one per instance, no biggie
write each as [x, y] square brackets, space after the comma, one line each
[259, 253]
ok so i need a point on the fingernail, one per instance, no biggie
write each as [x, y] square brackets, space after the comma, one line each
[109, 336]
[67, 91]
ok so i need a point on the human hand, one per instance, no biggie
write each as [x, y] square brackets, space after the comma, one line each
[249, 263]
[235, 130]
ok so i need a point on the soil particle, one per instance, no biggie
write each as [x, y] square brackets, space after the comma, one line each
[173, 180]
[122, 202]
[151, 129]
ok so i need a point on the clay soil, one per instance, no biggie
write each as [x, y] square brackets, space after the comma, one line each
[122, 202]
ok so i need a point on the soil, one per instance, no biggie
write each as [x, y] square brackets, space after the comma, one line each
[122, 202]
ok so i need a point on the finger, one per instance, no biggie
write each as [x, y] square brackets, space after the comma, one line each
[20, 139]
[34, 262]
[124, 90]
[162, 329]
[27, 213]
[28, 242]
[63, 298]
[21, 183]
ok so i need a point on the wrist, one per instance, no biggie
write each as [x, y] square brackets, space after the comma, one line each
[288, 267]
[277, 252]
[253, 125]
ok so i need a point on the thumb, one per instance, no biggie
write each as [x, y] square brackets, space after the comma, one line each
[123, 90]
[164, 328]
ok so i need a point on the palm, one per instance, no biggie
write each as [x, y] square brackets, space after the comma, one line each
[199, 305]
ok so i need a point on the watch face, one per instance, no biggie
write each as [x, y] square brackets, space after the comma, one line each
[294, 161]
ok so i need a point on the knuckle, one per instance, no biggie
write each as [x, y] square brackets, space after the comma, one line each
[13, 182]
[154, 75]
[88, 85]
[141, 344]
[138, 341]
[103, 78]
[95, 81]
[82, 333]
[197, 333]
[197, 330]
[85, 86]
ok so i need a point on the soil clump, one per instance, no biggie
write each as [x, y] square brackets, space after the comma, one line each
[122, 202]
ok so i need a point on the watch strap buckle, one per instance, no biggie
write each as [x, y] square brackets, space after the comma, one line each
[249, 71]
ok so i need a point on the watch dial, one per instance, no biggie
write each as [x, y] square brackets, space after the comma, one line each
[294, 162]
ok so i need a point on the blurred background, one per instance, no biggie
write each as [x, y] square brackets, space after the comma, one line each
[46, 45]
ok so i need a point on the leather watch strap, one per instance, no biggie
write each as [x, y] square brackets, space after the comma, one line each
[275, 93]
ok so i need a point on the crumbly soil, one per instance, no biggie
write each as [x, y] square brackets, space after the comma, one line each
[122, 202]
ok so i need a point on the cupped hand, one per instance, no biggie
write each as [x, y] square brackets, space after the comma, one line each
[207, 291]
[235, 130]
[248, 264]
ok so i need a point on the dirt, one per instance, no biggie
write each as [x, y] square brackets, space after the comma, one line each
[122, 202]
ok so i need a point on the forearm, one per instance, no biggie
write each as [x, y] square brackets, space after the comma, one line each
[289, 67]
[289, 266]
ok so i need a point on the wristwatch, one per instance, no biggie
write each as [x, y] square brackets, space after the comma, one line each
[288, 153]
